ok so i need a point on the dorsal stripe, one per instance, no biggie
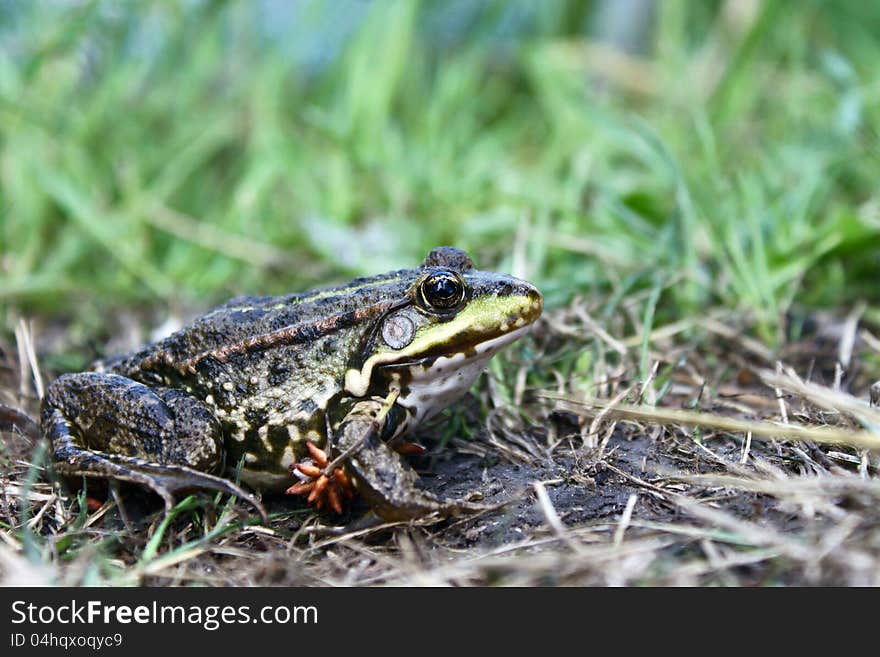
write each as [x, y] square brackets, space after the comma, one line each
[289, 335]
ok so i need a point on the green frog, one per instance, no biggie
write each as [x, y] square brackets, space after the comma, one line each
[312, 394]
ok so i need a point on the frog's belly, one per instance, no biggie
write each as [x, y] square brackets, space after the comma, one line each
[270, 482]
[268, 472]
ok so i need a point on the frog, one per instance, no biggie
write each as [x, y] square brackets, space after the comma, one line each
[314, 394]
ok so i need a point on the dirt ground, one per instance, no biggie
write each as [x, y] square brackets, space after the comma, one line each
[619, 487]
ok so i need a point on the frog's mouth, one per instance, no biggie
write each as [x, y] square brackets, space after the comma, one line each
[466, 341]
[431, 383]
[482, 351]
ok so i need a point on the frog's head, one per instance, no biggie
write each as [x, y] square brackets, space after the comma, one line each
[434, 342]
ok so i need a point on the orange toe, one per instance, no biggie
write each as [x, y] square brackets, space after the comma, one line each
[321, 489]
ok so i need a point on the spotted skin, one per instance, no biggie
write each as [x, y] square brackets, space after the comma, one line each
[251, 383]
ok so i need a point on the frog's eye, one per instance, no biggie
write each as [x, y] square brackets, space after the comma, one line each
[442, 291]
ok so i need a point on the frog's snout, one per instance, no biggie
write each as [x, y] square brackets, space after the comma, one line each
[535, 304]
[526, 302]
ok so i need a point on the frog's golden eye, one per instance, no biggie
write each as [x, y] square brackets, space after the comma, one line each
[442, 291]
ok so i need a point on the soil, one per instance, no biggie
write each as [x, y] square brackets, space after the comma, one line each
[658, 503]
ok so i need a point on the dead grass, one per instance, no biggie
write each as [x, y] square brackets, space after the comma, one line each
[728, 463]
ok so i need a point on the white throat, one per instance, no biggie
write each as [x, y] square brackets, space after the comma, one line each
[434, 387]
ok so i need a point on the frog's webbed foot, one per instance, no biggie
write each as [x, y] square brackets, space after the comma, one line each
[167, 481]
[322, 485]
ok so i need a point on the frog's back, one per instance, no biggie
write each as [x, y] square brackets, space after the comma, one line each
[245, 318]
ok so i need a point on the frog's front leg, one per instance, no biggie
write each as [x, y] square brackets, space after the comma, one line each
[109, 426]
[380, 476]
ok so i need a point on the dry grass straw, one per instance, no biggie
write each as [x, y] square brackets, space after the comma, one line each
[640, 490]
[768, 430]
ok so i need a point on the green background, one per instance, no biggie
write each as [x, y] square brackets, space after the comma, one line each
[159, 155]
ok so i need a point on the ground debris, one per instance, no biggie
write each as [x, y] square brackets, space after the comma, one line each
[729, 465]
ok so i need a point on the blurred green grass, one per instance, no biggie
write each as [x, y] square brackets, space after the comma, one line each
[177, 153]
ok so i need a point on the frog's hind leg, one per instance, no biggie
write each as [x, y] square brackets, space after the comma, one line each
[109, 426]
